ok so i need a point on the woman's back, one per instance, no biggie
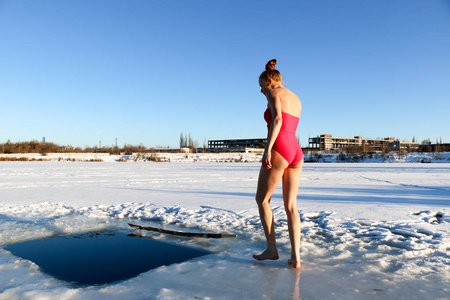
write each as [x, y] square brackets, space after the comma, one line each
[290, 103]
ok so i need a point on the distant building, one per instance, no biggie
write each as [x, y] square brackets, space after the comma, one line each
[66, 149]
[432, 147]
[326, 142]
[237, 145]
[173, 150]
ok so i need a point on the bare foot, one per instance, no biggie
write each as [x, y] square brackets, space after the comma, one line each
[295, 264]
[266, 254]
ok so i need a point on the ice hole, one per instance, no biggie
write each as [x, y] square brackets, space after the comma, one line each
[101, 257]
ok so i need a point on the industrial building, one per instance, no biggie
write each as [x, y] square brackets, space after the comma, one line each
[237, 145]
[324, 142]
[327, 142]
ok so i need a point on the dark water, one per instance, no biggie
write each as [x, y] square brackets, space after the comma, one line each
[101, 257]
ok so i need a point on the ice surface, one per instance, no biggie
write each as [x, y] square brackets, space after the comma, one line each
[370, 231]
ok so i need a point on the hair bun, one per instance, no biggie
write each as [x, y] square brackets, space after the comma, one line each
[271, 64]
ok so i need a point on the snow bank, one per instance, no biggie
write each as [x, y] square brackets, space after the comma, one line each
[435, 157]
[413, 157]
[144, 157]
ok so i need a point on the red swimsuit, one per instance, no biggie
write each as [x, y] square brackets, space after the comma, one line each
[286, 144]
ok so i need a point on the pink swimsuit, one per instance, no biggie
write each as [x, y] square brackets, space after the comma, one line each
[286, 144]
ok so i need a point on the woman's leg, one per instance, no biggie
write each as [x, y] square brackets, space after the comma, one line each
[291, 180]
[267, 182]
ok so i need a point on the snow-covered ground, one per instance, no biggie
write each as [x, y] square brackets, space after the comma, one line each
[369, 231]
[393, 157]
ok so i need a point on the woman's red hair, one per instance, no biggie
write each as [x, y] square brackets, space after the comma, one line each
[271, 72]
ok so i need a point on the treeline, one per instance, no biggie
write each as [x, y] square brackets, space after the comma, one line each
[43, 148]
[31, 147]
[186, 141]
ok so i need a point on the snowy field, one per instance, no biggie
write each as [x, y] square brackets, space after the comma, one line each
[369, 231]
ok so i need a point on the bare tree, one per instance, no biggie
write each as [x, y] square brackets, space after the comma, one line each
[182, 140]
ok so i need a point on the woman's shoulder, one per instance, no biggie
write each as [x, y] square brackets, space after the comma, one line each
[277, 92]
[282, 93]
[290, 101]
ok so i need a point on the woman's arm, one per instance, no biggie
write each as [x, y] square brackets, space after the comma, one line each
[274, 103]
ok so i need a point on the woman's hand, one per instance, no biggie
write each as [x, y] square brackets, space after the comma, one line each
[267, 160]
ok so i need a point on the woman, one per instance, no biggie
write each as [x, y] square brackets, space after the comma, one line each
[282, 159]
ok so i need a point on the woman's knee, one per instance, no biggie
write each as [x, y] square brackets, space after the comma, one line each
[291, 210]
[262, 200]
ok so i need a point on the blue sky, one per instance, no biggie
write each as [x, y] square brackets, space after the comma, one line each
[80, 72]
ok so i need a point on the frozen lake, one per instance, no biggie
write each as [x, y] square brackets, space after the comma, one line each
[369, 231]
